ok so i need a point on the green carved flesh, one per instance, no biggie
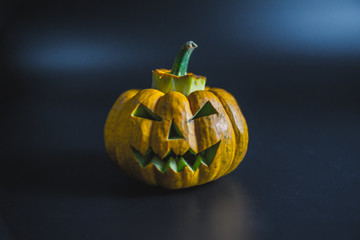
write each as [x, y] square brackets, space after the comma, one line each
[143, 112]
[177, 162]
[174, 132]
[206, 110]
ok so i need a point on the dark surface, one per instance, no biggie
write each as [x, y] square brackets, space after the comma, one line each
[293, 67]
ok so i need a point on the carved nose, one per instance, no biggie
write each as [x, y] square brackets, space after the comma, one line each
[174, 132]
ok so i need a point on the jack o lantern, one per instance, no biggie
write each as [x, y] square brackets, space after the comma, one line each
[178, 133]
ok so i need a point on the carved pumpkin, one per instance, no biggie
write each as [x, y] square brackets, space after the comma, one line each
[178, 135]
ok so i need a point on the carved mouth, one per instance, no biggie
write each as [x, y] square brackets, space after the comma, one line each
[177, 162]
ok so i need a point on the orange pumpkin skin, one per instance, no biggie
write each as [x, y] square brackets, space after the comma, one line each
[126, 134]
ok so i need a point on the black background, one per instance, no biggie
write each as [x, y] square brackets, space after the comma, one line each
[292, 65]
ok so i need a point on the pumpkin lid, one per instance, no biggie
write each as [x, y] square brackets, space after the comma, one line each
[178, 79]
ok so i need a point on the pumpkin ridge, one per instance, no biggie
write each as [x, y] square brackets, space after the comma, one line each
[197, 140]
[110, 124]
[156, 106]
[154, 169]
[200, 98]
[148, 97]
[223, 171]
[241, 141]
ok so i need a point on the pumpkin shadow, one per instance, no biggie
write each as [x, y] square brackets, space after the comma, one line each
[133, 188]
[222, 207]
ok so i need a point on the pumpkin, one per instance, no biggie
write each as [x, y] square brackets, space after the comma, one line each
[178, 133]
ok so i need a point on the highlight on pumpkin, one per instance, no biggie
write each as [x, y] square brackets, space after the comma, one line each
[206, 110]
[177, 162]
[144, 112]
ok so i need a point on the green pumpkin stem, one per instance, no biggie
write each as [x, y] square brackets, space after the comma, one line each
[181, 61]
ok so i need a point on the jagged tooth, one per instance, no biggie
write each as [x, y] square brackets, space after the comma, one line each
[192, 151]
[148, 152]
[159, 164]
[210, 153]
[181, 164]
[199, 160]
[167, 166]
[169, 152]
[140, 158]
[172, 164]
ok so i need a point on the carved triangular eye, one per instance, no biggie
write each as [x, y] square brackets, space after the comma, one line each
[144, 112]
[174, 132]
[206, 110]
